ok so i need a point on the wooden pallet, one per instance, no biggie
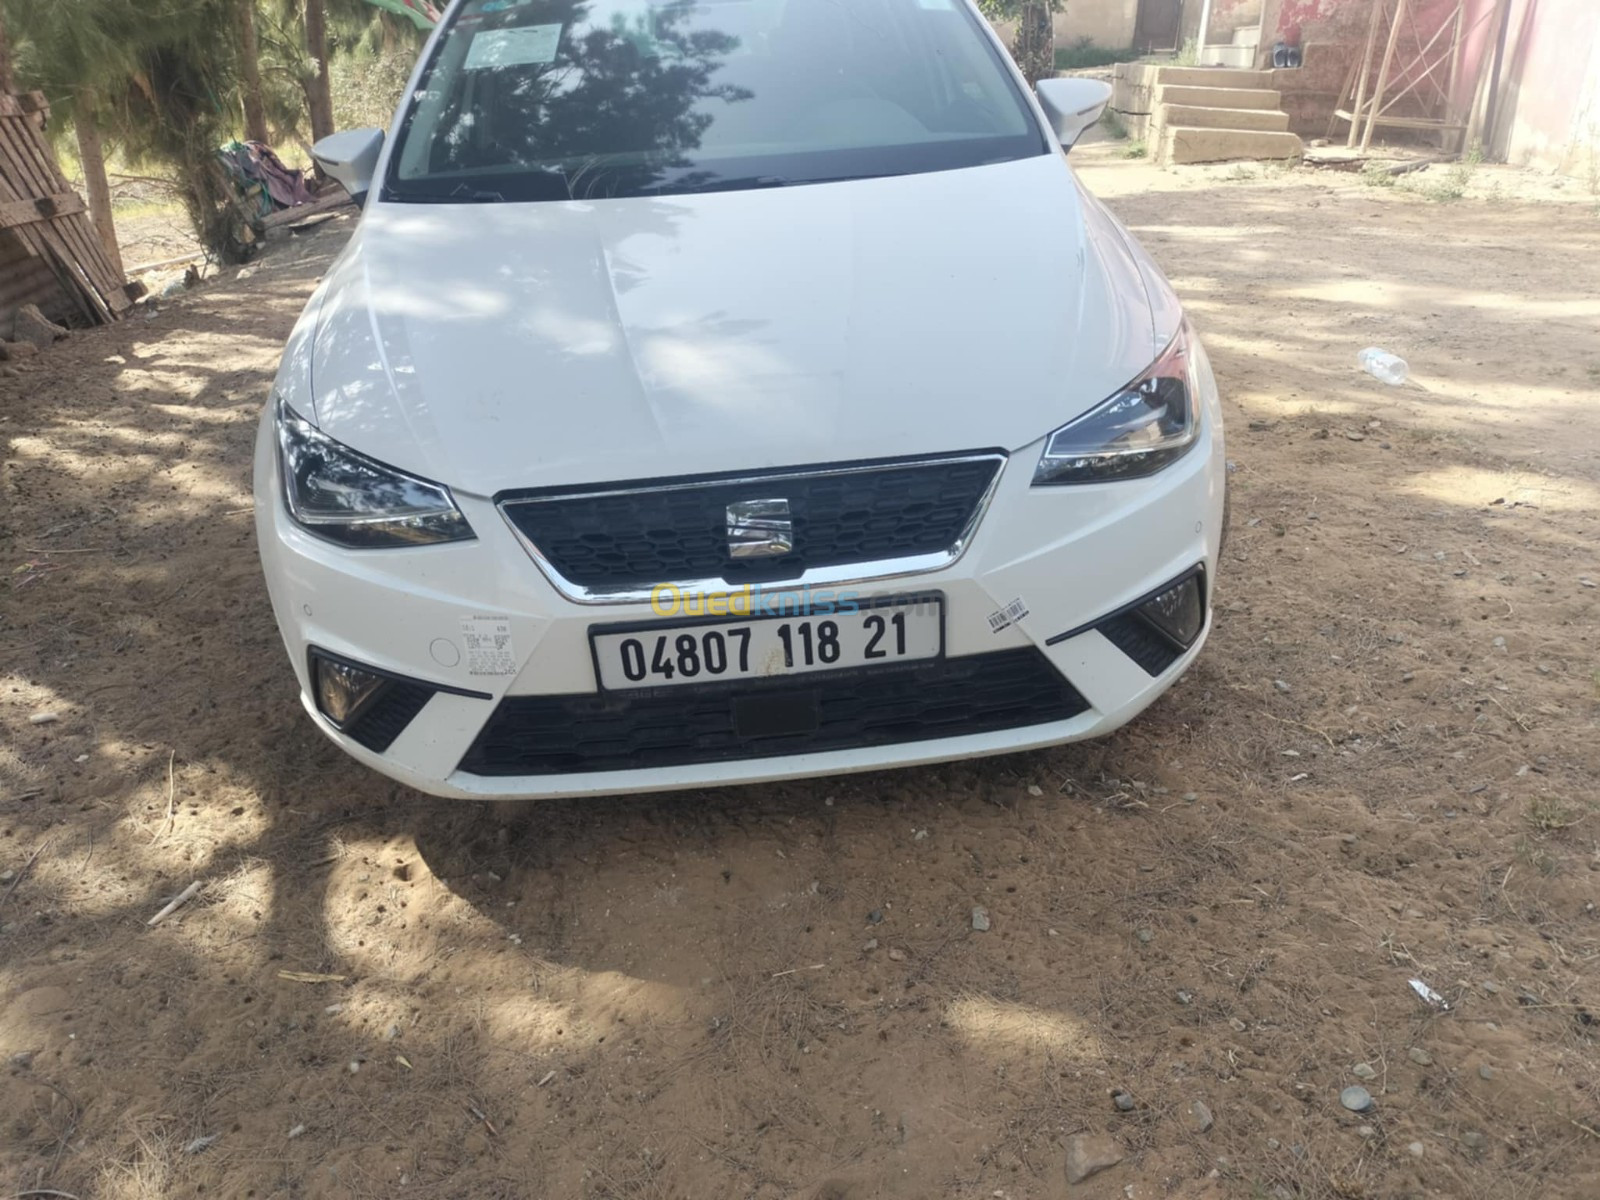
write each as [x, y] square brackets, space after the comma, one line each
[47, 216]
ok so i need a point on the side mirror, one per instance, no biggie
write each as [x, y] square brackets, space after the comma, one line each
[350, 157]
[1072, 105]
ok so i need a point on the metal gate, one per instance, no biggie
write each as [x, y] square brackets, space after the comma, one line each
[50, 254]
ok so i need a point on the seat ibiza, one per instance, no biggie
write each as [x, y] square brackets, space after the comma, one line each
[731, 390]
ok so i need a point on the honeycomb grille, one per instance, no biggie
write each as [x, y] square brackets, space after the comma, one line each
[568, 734]
[634, 536]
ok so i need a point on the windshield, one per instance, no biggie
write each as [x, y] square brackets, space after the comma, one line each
[574, 99]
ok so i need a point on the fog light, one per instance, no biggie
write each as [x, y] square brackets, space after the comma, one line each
[1179, 612]
[343, 689]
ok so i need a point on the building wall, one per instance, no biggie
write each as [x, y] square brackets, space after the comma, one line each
[1107, 23]
[1226, 16]
[1548, 103]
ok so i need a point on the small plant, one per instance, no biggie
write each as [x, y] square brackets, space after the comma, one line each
[1548, 814]
[1111, 121]
[1135, 149]
[1239, 173]
[1375, 174]
[1188, 55]
[1084, 53]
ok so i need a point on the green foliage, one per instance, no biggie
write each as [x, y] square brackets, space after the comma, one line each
[1111, 121]
[1136, 149]
[1084, 53]
[1010, 10]
[1188, 55]
[166, 77]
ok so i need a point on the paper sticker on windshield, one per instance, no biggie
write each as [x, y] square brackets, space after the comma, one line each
[519, 47]
[488, 642]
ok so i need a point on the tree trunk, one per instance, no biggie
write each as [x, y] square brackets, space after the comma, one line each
[319, 94]
[1035, 45]
[8, 81]
[86, 121]
[255, 111]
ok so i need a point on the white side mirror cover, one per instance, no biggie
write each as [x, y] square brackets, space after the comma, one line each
[351, 157]
[1072, 105]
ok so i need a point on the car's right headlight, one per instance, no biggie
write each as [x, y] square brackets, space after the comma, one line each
[348, 498]
[1147, 425]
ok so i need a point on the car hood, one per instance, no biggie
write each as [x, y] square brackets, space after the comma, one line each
[500, 346]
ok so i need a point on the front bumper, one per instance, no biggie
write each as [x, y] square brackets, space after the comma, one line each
[1072, 556]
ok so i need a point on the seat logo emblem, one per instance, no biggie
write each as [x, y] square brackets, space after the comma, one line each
[759, 529]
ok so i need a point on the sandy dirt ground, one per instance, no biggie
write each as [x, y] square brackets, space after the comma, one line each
[1383, 768]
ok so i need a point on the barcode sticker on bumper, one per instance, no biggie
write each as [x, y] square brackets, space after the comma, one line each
[1007, 616]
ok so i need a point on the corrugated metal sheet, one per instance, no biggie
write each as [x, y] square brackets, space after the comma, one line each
[25, 279]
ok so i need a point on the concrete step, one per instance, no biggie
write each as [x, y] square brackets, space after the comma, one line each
[1217, 97]
[1229, 56]
[1187, 144]
[1211, 77]
[1224, 118]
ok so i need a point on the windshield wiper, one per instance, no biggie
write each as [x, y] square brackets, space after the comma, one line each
[476, 195]
[742, 183]
[526, 183]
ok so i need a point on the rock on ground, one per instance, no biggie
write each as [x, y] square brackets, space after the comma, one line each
[33, 326]
[1089, 1154]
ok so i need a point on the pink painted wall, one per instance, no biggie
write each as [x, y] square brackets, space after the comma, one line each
[1548, 103]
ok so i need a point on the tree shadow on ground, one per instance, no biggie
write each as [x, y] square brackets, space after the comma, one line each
[776, 991]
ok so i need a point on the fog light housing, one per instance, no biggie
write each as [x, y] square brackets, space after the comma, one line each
[1179, 612]
[343, 690]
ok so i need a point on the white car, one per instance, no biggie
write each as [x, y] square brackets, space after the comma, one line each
[730, 390]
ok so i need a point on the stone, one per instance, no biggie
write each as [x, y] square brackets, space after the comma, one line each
[1281, 685]
[7, 875]
[870, 945]
[1274, 1145]
[1420, 1056]
[1237, 1025]
[980, 918]
[1089, 1154]
[1415, 1149]
[1185, 997]
[22, 1060]
[1486, 1072]
[1200, 1119]
[875, 917]
[1123, 1101]
[1146, 936]
[1364, 1071]
[896, 954]
[391, 1033]
[1356, 1098]
[33, 326]
[1474, 1141]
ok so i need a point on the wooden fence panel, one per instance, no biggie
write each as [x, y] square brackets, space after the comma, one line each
[40, 209]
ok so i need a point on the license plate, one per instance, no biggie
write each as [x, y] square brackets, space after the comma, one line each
[655, 656]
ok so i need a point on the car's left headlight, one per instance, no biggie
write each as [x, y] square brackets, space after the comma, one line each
[1147, 425]
[348, 498]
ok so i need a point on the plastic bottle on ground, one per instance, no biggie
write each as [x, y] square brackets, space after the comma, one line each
[1380, 364]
